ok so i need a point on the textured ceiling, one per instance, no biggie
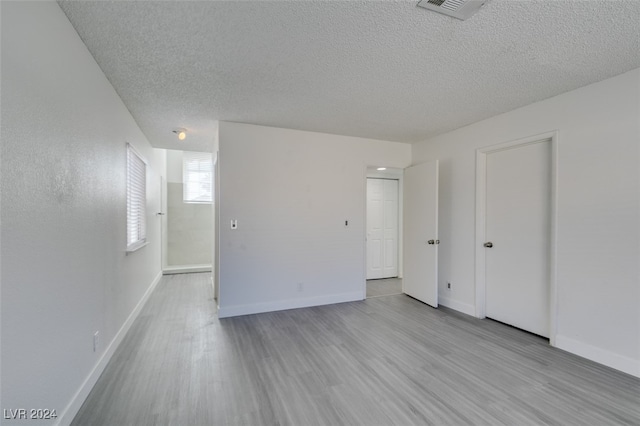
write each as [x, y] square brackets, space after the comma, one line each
[376, 69]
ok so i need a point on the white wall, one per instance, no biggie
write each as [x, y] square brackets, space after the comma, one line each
[64, 273]
[291, 192]
[598, 212]
[174, 166]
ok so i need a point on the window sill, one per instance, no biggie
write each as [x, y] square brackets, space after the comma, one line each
[136, 247]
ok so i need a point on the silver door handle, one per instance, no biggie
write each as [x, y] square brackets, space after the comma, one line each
[433, 242]
[488, 244]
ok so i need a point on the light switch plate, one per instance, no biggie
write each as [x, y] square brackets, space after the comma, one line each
[234, 224]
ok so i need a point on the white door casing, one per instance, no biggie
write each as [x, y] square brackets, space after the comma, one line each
[382, 228]
[420, 252]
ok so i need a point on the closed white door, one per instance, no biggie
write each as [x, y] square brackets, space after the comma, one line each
[518, 233]
[420, 234]
[382, 228]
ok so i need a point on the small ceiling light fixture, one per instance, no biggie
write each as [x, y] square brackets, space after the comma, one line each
[382, 168]
[182, 133]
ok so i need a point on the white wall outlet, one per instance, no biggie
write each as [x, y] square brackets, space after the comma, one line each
[234, 224]
[300, 286]
[96, 341]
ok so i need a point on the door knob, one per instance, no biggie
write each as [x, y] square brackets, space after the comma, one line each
[488, 244]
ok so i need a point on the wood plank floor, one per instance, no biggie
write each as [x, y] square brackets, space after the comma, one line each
[384, 361]
[384, 287]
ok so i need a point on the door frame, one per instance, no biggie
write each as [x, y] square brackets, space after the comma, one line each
[396, 173]
[481, 220]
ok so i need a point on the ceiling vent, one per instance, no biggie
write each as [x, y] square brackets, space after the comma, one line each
[459, 9]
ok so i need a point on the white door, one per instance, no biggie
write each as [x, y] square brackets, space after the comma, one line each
[163, 222]
[518, 236]
[420, 248]
[390, 225]
[382, 228]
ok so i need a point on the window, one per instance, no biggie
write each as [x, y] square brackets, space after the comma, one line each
[136, 200]
[197, 177]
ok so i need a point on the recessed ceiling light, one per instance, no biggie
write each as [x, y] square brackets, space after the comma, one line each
[382, 168]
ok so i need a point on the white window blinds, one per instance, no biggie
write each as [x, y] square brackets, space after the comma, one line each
[197, 177]
[136, 200]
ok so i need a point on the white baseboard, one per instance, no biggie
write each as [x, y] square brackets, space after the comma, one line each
[70, 411]
[186, 269]
[232, 311]
[465, 308]
[599, 355]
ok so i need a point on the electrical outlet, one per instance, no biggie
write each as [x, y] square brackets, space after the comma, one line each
[448, 286]
[300, 286]
[96, 341]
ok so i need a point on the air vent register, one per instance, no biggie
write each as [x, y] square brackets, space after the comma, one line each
[459, 9]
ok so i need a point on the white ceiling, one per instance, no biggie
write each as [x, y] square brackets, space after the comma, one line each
[376, 69]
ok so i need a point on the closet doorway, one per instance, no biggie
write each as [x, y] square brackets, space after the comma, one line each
[383, 232]
[515, 211]
[382, 228]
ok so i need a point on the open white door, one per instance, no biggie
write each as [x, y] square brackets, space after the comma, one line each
[420, 276]
[164, 229]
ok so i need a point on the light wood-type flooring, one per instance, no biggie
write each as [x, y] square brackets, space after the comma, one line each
[385, 361]
[384, 287]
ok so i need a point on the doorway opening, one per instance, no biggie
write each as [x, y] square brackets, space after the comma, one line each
[383, 220]
[188, 212]
[384, 287]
